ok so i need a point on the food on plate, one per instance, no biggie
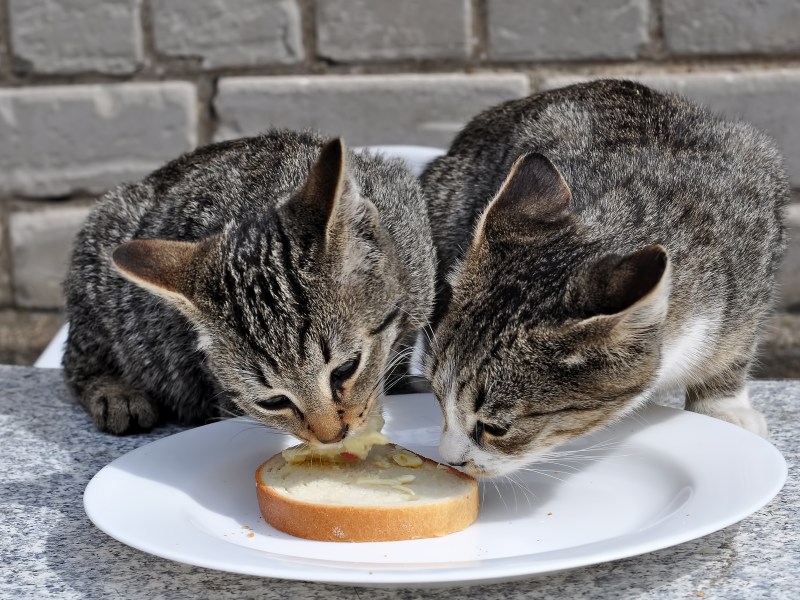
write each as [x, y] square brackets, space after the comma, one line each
[364, 489]
[355, 447]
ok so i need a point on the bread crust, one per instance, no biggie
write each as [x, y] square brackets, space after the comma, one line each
[367, 523]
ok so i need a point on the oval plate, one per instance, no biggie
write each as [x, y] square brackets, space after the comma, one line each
[653, 480]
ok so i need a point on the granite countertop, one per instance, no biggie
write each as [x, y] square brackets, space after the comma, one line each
[48, 548]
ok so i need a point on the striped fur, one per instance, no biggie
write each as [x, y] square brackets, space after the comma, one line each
[597, 244]
[249, 273]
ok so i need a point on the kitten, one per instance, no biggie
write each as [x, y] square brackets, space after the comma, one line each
[276, 272]
[597, 244]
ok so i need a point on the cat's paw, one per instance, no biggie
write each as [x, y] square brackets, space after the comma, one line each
[733, 410]
[119, 409]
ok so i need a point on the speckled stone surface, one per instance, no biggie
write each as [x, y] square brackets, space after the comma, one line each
[48, 548]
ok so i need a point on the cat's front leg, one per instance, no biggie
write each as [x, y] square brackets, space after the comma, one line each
[725, 397]
[117, 407]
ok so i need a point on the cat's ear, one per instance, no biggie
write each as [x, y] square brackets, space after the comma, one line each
[164, 267]
[629, 293]
[328, 196]
[533, 196]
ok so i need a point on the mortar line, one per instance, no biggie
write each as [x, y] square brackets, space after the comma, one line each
[741, 64]
[149, 52]
[479, 15]
[312, 62]
[207, 117]
[657, 47]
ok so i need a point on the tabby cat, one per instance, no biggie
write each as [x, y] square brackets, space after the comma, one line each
[598, 244]
[279, 273]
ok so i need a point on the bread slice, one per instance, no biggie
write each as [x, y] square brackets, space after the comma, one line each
[392, 494]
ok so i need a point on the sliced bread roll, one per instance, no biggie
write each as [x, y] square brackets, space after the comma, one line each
[392, 494]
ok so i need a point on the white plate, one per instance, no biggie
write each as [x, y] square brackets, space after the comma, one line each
[666, 476]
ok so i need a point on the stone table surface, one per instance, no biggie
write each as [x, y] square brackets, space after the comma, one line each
[48, 548]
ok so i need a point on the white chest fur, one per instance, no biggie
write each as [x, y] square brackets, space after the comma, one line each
[682, 355]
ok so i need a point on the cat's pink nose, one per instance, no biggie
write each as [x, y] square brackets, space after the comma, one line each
[337, 437]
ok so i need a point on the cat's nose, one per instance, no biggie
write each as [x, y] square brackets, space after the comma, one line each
[338, 437]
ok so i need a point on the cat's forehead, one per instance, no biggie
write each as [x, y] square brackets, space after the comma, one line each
[484, 334]
[513, 361]
[290, 322]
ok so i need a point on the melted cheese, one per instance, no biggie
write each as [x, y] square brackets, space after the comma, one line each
[396, 483]
[407, 459]
[357, 446]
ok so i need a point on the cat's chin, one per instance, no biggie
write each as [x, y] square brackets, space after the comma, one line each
[491, 471]
[481, 474]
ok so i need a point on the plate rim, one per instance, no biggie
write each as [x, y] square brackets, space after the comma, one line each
[515, 568]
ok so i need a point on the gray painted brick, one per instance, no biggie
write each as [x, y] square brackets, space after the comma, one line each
[768, 100]
[41, 244]
[390, 30]
[368, 109]
[74, 36]
[731, 26]
[229, 33]
[567, 29]
[62, 139]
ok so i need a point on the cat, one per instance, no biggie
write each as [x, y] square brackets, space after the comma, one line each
[277, 274]
[597, 244]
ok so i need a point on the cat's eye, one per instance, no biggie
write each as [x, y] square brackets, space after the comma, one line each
[276, 403]
[493, 430]
[344, 371]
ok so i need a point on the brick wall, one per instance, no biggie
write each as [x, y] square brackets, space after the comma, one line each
[97, 92]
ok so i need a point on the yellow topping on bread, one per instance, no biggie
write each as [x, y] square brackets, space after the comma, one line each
[356, 446]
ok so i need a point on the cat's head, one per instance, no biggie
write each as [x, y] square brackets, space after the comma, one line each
[547, 336]
[297, 308]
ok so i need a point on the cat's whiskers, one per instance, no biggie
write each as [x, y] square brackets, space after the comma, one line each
[601, 451]
[606, 445]
[258, 427]
[403, 310]
[609, 443]
[403, 346]
[540, 472]
[265, 429]
[499, 493]
[397, 358]
[571, 468]
[426, 330]
[389, 384]
[637, 416]
[396, 376]
[251, 423]
[513, 489]
[235, 415]
[605, 450]
[219, 395]
[517, 483]
[217, 419]
[517, 479]
[400, 356]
